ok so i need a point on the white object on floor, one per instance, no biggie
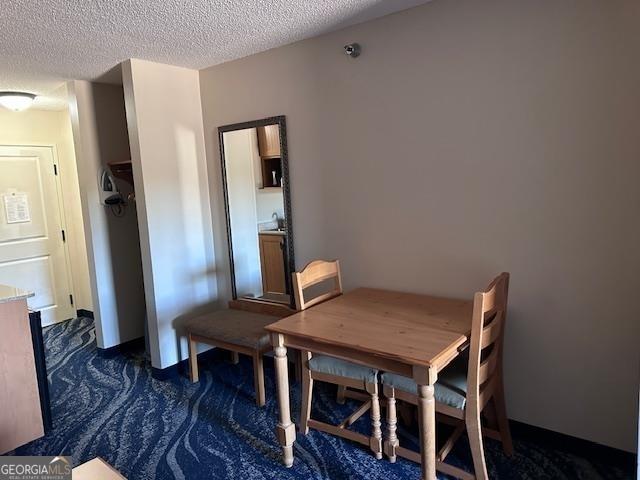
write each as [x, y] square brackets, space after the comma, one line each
[96, 469]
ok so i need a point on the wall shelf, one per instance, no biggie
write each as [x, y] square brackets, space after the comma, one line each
[271, 167]
[122, 170]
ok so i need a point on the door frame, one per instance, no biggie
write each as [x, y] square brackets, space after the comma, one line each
[61, 209]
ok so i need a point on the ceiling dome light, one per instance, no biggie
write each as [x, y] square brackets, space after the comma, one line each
[16, 101]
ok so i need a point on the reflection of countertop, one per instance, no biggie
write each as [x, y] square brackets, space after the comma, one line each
[9, 294]
[282, 233]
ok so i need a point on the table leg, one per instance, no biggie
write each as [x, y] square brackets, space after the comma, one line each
[392, 442]
[426, 378]
[285, 430]
[193, 360]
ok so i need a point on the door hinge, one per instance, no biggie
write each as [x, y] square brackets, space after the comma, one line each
[55, 169]
[71, 299]
[64, 236]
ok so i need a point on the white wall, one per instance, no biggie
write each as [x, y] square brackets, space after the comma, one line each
[165, 126]
[268, 202]
[100, 136]
[467, 139]
[40, 127]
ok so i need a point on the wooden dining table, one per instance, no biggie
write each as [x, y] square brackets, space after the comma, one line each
[404, 333]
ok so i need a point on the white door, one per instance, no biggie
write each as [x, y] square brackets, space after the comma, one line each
[33, 254]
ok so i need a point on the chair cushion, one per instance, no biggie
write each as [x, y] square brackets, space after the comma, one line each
[342, 368]
[236, 327]
[450, 389]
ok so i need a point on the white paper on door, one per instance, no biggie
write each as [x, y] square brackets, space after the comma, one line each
[16, 206]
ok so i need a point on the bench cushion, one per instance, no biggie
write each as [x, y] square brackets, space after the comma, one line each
[450, 389]
[342, 368]
[236, 327]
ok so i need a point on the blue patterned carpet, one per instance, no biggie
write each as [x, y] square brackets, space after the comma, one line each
[151, 429]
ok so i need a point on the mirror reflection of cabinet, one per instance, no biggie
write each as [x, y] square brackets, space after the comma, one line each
[272, 263]
[269, 141]
[269, 150]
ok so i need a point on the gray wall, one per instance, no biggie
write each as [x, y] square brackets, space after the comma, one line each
[471, 138]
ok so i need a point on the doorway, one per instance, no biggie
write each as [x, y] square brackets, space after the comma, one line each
[33, 250]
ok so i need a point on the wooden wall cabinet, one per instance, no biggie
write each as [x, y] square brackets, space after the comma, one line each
[272, 263]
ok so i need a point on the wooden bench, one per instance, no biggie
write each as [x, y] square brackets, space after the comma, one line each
[239, 331]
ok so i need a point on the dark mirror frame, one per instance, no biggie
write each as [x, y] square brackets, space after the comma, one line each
[284, 158]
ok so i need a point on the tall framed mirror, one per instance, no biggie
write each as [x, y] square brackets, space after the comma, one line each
[255, 176]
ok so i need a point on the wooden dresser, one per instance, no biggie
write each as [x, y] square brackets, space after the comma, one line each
[21, 419]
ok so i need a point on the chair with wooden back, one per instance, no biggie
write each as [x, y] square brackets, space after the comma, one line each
[329, 369]
[464, 388]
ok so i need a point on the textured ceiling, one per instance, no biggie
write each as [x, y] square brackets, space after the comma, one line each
[45, 42]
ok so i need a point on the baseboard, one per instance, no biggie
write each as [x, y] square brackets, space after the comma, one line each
[84, 313]
[181, 368]
[574, 445]
[136, 344]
